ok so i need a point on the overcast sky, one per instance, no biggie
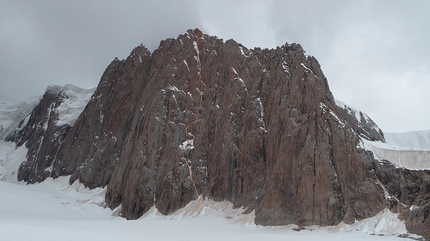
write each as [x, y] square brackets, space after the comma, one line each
[375, 54]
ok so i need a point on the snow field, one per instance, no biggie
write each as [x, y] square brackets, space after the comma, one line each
[55, 210]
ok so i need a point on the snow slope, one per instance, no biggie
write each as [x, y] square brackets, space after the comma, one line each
[403, 157]
[12, 112]
[74, 103]
[54, 210]
[415, 139]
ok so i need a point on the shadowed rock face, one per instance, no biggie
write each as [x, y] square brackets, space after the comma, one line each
[269, 136]
[409, 195]
[42, 137]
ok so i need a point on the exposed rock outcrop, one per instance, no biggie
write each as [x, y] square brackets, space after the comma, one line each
[269, 136]
[408, 193]
[42, 136]
[45, 128]
[360, 122]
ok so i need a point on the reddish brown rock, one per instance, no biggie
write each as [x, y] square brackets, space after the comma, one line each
[408, 194]
[269, 136]
[361, 123]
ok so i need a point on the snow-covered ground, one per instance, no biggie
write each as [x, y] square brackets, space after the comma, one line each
[55, 210]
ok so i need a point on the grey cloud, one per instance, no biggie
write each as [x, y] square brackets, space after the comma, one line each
[374, 53]
[59, 42]
[368, 50]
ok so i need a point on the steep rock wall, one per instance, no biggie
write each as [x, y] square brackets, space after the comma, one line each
[269, 136]
[408, 193]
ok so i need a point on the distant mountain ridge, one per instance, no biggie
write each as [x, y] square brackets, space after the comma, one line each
[269, 137]
[13, 112]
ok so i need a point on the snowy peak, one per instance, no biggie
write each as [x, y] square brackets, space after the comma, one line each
[73, 104]
[14, 115]
[46, 125]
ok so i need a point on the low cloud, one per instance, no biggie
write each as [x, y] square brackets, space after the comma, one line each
[374, 53]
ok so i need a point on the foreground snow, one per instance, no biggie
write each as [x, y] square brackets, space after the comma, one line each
[55, 210]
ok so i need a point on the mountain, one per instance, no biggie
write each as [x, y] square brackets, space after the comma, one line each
[45, 127]
[203, 118]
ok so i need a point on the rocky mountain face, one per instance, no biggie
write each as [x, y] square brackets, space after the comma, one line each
[360, 122]
[268, 136]
[44, 129]
[42, 137]
[408, 193]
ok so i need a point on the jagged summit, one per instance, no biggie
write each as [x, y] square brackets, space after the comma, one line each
[268, 136]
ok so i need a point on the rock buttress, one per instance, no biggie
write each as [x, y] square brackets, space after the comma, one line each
[269, 136]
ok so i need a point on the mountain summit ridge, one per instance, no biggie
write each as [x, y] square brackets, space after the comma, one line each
[269, 137]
